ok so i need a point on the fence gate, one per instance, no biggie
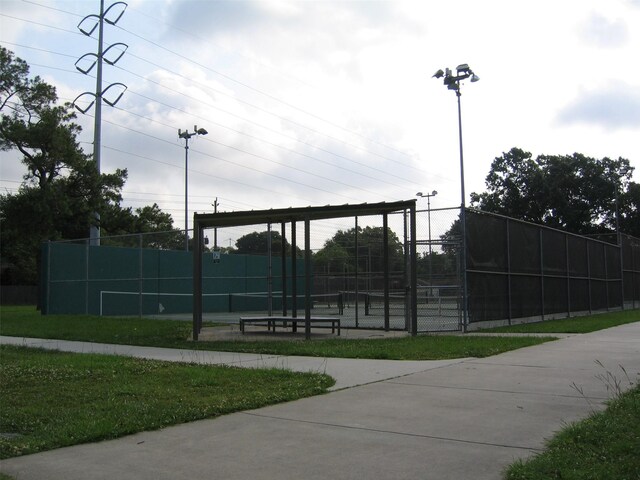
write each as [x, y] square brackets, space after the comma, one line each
[439, 270]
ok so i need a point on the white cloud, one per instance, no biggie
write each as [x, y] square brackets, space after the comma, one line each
[342, 90]
[602, 32]
[613, 107]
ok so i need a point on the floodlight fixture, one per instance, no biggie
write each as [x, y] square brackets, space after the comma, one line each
[187, 135]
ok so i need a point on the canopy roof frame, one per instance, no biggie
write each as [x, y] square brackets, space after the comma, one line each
[292, 215]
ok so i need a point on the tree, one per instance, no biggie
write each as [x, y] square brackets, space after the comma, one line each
[338, 253]
[62, 188]
[256, 243]
[18, 92]
[575, 193]
[629, 205]
[146, 220]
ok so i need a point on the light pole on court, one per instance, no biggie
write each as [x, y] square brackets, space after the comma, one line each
[452, 82]
[186, 135]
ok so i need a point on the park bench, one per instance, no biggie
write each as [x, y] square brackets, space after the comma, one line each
[272, 321]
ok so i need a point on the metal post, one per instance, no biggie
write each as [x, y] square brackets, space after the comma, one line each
[619, 240]
[269, 273]
[94, 230]
[589, 277]
[430, 252]
[606, 275]
[542, 297]
[385, 261]
[568, 266]
[413, 260]
[284, 269]
[357, 268]
[406, 281]
[215, 230]
[463, 220]
[86, 284]
[197, 280]
[509, 299]
[140, 275]
[307, 278]
[47, 309]
[186, 190]
[294, 272]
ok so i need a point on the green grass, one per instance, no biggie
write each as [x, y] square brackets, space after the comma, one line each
[586, 324]
[52, 399]
[422, 347]
[25, 321]
[28, 322]
[604, 446]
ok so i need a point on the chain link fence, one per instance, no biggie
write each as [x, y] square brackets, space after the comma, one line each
[515, 272]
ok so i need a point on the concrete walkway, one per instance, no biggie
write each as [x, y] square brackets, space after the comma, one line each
[462, 419]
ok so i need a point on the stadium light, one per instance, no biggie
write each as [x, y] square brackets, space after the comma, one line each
[452, 82]
[186, 135]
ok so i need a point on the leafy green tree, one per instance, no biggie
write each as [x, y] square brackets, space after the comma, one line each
[147, 220]
[574, 192]
[62, 188]
[629, 205]
[332, 258]
[256, 243]
[338, 253]
[18, 92]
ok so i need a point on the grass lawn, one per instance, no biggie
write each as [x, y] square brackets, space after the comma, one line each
[604, 446]
[52, 399]
[27, 322]
[574, 325]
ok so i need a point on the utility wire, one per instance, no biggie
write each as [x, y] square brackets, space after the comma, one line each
[387, 174]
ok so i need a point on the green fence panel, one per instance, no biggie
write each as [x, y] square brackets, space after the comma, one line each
[134, 281]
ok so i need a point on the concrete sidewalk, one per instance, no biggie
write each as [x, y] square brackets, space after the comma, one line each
[464, 419]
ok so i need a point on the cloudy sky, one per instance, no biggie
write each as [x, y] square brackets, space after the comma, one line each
[333, 102]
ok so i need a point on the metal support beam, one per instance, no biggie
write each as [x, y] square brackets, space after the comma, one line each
[307, 278]
[385, 261]
[413, 283]
[197, 278]
[357, 268]
[283, 268]
[294, 272]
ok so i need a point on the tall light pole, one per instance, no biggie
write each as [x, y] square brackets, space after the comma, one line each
[186, 135]
[452, 82]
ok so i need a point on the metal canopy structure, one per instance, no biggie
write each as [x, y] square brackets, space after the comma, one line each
[201, 221]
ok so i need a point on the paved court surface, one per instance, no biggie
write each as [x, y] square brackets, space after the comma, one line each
[460, 419]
